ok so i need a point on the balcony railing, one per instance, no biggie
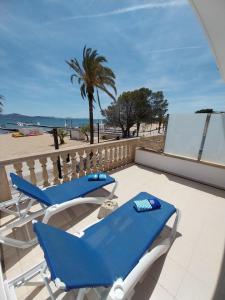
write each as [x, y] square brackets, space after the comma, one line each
[43, 168]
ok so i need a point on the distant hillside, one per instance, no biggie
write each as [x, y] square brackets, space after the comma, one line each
[19, 116]
[16, 116]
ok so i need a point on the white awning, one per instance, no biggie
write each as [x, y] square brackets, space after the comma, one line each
[212, 16]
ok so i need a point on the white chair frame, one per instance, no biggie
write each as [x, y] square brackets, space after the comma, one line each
[25, 216]
[120, 290]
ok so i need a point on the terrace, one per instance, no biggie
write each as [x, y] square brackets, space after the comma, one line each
[194, 266]
[191, 269]
[190, 174]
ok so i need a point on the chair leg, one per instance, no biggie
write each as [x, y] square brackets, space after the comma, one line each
[110, 197]
[81, 294]
[22, 279]
[6, 205]
[46, 282]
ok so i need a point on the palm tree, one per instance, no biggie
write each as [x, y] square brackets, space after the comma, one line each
[85, 129]
[61, 134]
[92, 76]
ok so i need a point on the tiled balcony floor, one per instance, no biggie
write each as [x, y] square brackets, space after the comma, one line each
[193, 269]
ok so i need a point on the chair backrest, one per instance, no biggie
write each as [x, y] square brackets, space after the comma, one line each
[29, 189]
[108, 250]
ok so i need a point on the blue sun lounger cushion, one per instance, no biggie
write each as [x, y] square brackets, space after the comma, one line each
[108, 250]
[97, 176]
[60, 193]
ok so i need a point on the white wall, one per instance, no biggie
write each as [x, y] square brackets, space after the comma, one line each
[77, 135]
[200, 172]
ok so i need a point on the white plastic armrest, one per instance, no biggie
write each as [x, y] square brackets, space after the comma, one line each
[54, 209]
[17, 243]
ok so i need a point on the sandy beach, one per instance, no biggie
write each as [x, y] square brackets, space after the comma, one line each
[11, 147]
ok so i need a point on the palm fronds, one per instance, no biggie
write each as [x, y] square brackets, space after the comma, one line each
[92, 76]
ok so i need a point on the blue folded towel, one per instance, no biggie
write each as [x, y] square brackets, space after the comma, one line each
[146, 204]
[96, 177]
[142, 205]
[92, 177]
[101, 176]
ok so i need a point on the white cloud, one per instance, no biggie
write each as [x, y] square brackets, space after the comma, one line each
[175, 49]
[152, 5]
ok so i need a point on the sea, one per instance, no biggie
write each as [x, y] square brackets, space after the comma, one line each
[14, 121]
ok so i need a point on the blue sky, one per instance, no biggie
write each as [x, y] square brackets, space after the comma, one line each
[152, 43]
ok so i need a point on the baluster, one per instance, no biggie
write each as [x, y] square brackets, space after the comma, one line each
[18, 168]
[65, 167]
[81, 164]
[123, 154]
[129, 153]
[126, 153]
[43, 161]
[110, 158]
[88, 163]
[94, 167]
[100, 166]
[54, 160]
[106, 163]
[74, 165]
[119, 163]
[5, 193]
[31, 166]
[133, 148]
[115, 156]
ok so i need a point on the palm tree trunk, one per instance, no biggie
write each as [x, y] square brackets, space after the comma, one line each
[124, 133]
[87, 137]
[138, 128]
[160, 123]
[91, 119]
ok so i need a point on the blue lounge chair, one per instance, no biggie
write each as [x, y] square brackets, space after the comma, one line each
[113, 253]
[52, 199]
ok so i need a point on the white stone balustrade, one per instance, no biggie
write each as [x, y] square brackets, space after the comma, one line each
[75, 162]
